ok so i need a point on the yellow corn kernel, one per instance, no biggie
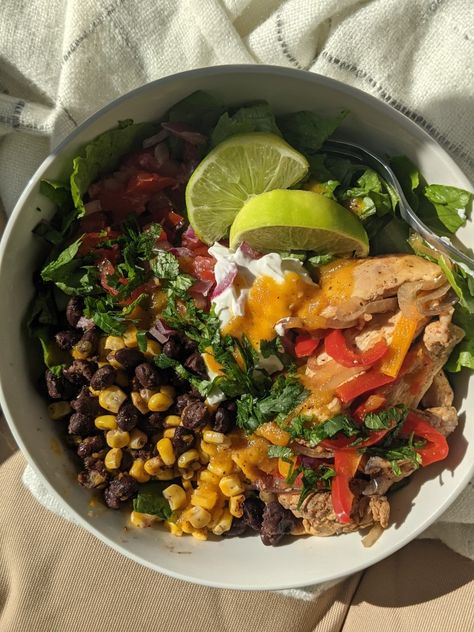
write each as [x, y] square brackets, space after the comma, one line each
[146, 393]
[130, 337]
[114, 343]
[208, 477]
[117, 438]
[142, 520]
[221, 465]
[186, 526]
[176, 496]
[174, 529]
[113, 459]
[187, 486]
[199, 534]
[153, 466]
[231, 485]
[204, 496]
[169, 433]
[166, 474]
[198, 517]
[172, 421]
[106, 422]
[111, 398]
[93, 392]
[185, 459]
[159, 402]
[79, 353]
[138, 471]
[137, 439]
[113, 362]
[204, 458]
[102, 363]
[166, 451]
[139, 403]
[236, 505]
[217, 438]
[58, 410]
[168, 390]
[208, 448]
[224, 523]
[187, 475]
[153, 349]
[122, 378]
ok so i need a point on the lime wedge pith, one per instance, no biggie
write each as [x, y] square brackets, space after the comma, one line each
[298, 220]
[234, 171]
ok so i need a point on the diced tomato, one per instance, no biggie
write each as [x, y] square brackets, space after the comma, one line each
[436, 448]
[305, 345]
[203, 268]
[336, 346]
[145, 182]
[345, 463]
[120, 204]
[175, 219]
[91, 240]
[106, 270]
[93, 223]
[361, 384]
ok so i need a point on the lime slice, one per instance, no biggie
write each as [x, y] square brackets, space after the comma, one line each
[298, 220]
[234, 171]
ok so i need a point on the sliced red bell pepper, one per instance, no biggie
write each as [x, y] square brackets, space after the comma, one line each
[372, 404]
[305, 345]
[436, 448]
[362, 384]
[346, 463]
[345, 443]
[336, 346]
[106, 270]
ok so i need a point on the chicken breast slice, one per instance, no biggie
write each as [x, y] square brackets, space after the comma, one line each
[439, 393]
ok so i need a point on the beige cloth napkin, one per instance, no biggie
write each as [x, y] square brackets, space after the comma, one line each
[62, 59]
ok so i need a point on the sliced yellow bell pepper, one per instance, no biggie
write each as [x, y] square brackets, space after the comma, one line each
[403, 335]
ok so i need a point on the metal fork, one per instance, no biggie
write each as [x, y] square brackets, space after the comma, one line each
[360, 154]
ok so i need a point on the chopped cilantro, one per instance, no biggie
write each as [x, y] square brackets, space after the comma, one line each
[280, 451]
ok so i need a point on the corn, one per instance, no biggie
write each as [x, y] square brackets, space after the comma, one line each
[211, 436]
[198, 517]
[273, 433]
[58, 410]
[204, 458]
[114, 343]
[80, 352]
[93, 392]
[130, 337]
[111, 398]
[174, 528]
[169, 433]
[106, 422]
[231, 485]
[102, 363]
[138, 402]
[122, 378]
[186, 527]
[113, 362]
[142, 520]
[117, 438]
[153, 349]
[168, 390]
[208, 448]
[220, 466]
[113, 458]
[166, 474]
[176, 496]
[166, 451]
[187, 486]
[187, 458]
[172, 420]
[153, 466]
[199, 534]
[205, 497]
[224, 523]
[138, 471]
[186, 475]
[146, 393]
[236, 505]
[137, 439]
[159, 402]
[208, 477]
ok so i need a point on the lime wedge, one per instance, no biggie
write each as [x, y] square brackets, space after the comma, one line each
[234, 171]
[298, 220]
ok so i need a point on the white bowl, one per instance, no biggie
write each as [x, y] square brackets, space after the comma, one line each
[242, 563]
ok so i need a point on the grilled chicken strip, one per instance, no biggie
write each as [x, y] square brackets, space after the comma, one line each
[439, 393]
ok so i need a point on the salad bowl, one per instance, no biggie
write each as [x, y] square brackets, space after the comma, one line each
[240, 563]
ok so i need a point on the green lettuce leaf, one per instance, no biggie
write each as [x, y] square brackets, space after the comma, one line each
[463, 354]
[199, 110]
[450, 204]
[461, 282]
[150, 500]
[307, 131]
[255, 118]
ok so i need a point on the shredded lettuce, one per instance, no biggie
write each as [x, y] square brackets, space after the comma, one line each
[255, 118]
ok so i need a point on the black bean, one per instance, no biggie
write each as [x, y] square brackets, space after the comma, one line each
[127, 416]
[90, 445]
[253, 512]
[195, 363]
[67, 339]
[135, 384]
[81, 424]
[148, 375]
[277, 522]
[195, 415]
[58, 387]
[94, 477]
[86, 404]
[182, 401]
[103, 377]
[151, 424]
[80, 372]
[172, 348]
[225, 417]
[129, 358]
[89, 342]
[127, 461]
[74, 310]
[120, 490]
[238, 527]
[182, 440]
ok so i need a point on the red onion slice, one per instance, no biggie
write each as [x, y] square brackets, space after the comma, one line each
[180, 252]
[190, 237]
[161, 331]
[155, 139]
[201, 288]
[186, 133]
[226, 281]
[94, 206]
[249, 251]
[162, 154]
[85, 323]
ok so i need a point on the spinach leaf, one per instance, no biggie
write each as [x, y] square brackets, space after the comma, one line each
[254, 118]
[67, 272]
[150, 500]
[450, 204]
[199, 110]
[307, 131]
[461, 282]
[463, 353]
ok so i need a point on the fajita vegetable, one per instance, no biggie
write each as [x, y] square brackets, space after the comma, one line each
[284, 384]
